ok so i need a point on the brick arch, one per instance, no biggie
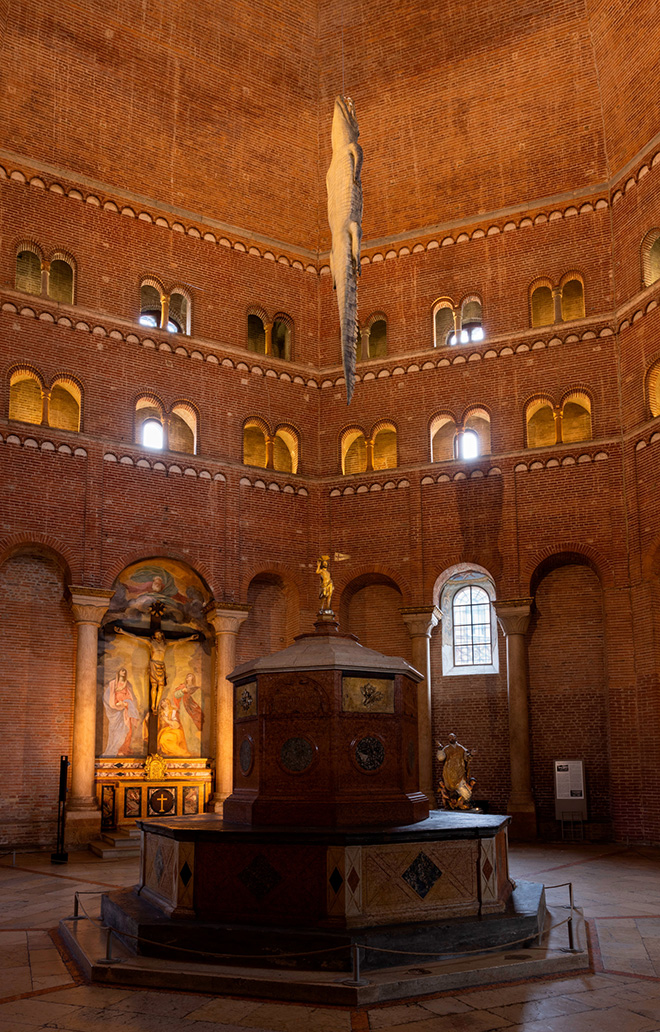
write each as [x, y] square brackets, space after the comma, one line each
[384, 424]
[651, 387]
[370, 573]
[62, 255]
[645, 255]
[257, 421]
[259, 311]
[273, 569]
[451, 571]
[29, 244]
[152, 281]
[66, 558]
[572, 274]
[128, 558]
[25, 367]
[565, 553]
[375, 317]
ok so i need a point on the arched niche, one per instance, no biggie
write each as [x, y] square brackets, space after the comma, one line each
[155, 594]
[37, 686]
[567, 679]
[369, 607]
[273, 621]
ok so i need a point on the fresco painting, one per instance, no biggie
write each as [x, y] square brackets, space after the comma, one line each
[123, 671]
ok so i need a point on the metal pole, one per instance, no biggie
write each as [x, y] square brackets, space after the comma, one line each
[75, 904]
[571, 943]
[356, 963]
[108, 946]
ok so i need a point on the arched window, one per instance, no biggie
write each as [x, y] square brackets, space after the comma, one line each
[64, 405]
[572, 298]
[443, 322]
[576, 418]
[471, 320]
[255, 450]
[28, 272]
[179, 312]
[256, 334]
[353, 451]
[466, 445]
[150, 306]
[281, 337]
[378, 338]
[285, 450]
[384, 447]
[182, 429]
[149, 427]
[152, 434]
[25, 397]
[60, 281]
[443, 432]
[476, 423]
[541, 305]
[469, 625]
[651, 257]
[540, 423]
[654, 389]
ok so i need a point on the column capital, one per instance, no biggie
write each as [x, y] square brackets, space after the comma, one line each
[227, 618]
[89, 605]
[513, 614]
[420, 620]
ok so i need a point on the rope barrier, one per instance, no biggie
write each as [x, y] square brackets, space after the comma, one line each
[355, 947]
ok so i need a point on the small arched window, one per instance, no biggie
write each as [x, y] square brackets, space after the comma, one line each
[576, 418]
[64, 406]
[255, 450]
[651, 257]
[179, 313]
[25, 397]
[653, 382]
[471, 320]
[281, 339]
[378, 339]
[477, 422]
[469, 626]
[542, 306]
[467, 445]
[150, 306]
[148, 410]
[384, 447]
[443, 432]
[443, 322]
[182, 429]
[285, 450]
[60, 281]
[572, 299]
[541, 424]
[353, 451]
[256, 334]
[28, 272]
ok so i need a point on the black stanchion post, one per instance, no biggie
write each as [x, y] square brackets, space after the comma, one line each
[59, 856]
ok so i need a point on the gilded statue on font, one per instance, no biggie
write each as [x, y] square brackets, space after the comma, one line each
[327, 587]
[157, 645]
[456, 787]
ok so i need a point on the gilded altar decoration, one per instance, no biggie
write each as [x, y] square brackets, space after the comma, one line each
[456, 786]
[367, 694]
[327, 587]
[155, 768]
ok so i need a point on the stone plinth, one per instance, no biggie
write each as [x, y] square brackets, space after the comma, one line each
[325, 734]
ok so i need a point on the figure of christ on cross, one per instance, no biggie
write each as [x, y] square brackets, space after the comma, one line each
[157, 645]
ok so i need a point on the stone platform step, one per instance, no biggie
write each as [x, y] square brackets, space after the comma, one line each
[88, 944]
[117, 845]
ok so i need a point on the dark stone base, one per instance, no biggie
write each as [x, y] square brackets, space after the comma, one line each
[146, 931]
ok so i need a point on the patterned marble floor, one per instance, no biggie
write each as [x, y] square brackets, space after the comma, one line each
[617, 887]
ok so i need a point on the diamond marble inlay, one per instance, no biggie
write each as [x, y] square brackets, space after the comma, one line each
[353, 879]
[336, 880]
[260, 877]
[422, 875]
[185, 874]
[487, 869]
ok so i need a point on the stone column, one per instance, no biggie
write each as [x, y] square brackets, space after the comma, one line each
[45, 274]
[164, 310]
[268, 343]
[513, 617]
[556, 412]
[369, 441]
[226, 621]
[45, 406]
[270, 445]
[556, 300]
[83, 815]
[420, 621]
[365, 333]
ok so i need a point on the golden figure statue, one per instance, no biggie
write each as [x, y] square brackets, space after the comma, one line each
[456, 786]
[157, 645]
[327, 587]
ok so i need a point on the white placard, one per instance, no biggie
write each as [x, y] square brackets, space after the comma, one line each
[569, 779]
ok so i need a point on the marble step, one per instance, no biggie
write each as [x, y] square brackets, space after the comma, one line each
[117, 845]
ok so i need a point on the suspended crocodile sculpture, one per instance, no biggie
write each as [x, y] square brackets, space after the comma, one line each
[345, 218]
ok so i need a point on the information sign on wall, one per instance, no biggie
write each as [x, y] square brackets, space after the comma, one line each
[570, 795]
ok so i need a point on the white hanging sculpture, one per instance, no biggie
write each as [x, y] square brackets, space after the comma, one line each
[345, 218]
